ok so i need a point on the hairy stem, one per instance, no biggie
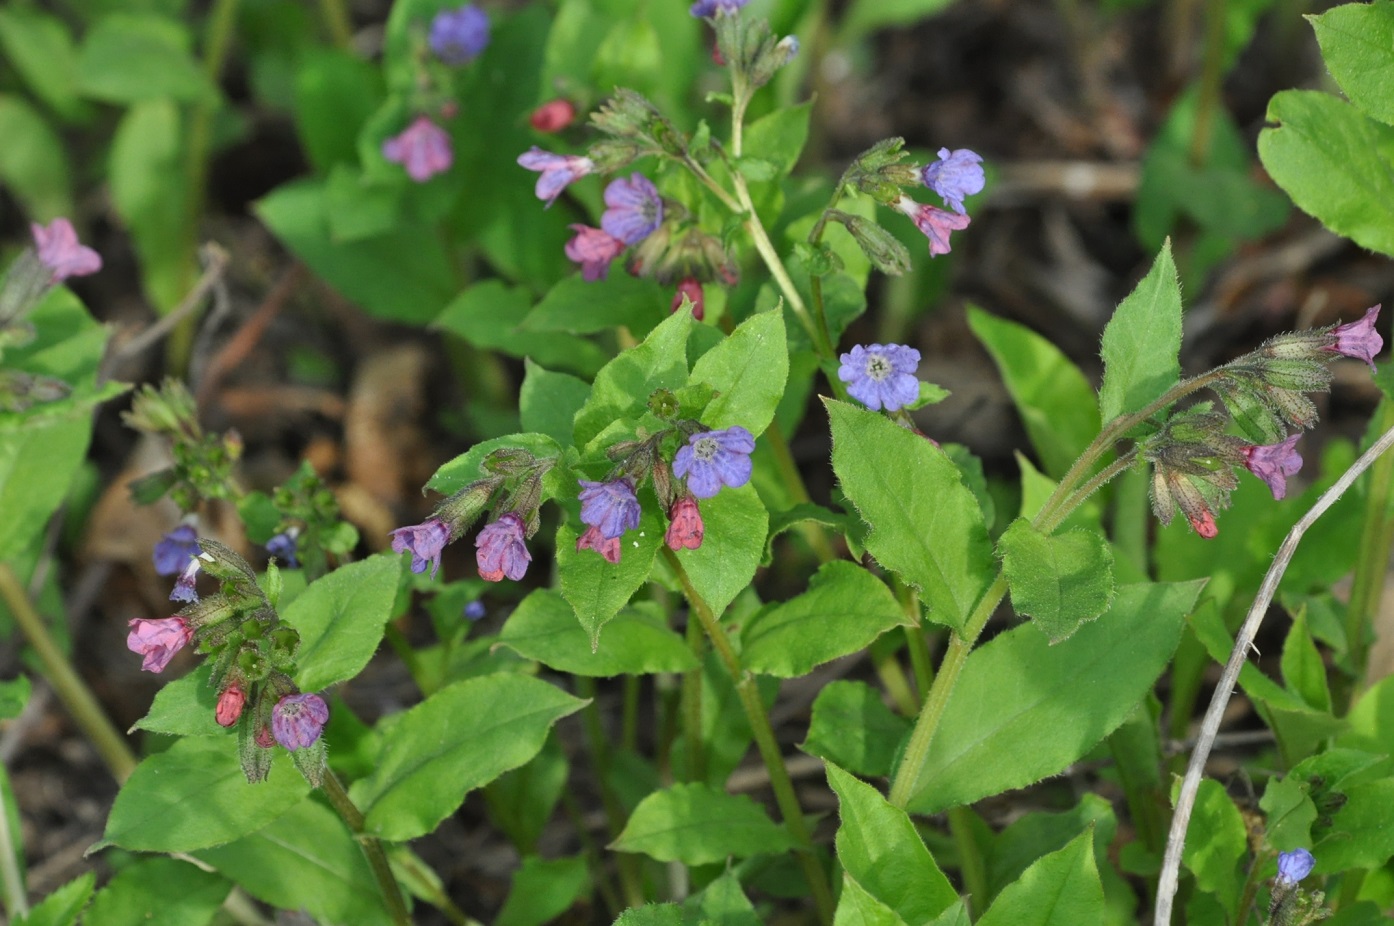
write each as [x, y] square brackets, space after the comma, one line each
[372, 848]
[1376, 538]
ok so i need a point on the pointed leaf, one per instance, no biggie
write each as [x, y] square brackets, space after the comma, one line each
[1059, 581]
[853, 728]
[734, 527]
[341, 617]
[1355, 40]
[1061, 889]
[158, 892]
[1142, 342]
[748, 370]
[638, 641]
[857, 907]
[597, 588]
[623, 386]
[697, 825]
[925, 524]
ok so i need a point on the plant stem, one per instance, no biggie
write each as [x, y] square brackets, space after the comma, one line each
[759, 720]
[629, 719]
[336, 20]
[12, 874]
[691, 697]
[372, 848]
[970, 857]
[1375, 541]
[71, 690]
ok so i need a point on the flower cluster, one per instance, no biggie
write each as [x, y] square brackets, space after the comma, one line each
[1264, 393]
[956, 175]
[252, 656]
[512, 490]
[455, 38]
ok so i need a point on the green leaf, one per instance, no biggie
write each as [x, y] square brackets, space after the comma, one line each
[1288, 813]
[490, 316]
[40, 47]
[622, 387]
[151, 813]
[522, 801]
[853, 728]
[1037, 833]
[405, 275]
[1304, 671]
[159, 892]
[1052, 396]
[63, 906]
[1019, 712]
[460, 738]
[878, 846]
[455, 474]
[306, 860]
[33, 160]
[655, 914]
[14, 695]
[735, 524]
[1335, 162]
[1059, 581]
[544, 889]
[697, 824]
[844, 609]
[925, 524]
[638, 641]
[779, 137]
[1356, 40]
[857, 907]
[579, 307]
[1142, 342]
[1217, 842]
[184, 707]
[748, 370]
[135, 58]
[341, 618]
[1061, 889]
[147, 174]
[868, 15]
[548, 401]
[597, 588]
[723, 903]
[1362, 831]
[335, 94]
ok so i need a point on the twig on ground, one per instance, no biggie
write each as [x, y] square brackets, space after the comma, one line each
[1210, 728]
[215, 263]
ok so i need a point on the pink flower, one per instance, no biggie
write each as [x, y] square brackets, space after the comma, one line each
[425, 541]
[501, 551]
[61, 253]
[553, 116]
[298, 719]
[936, 223]
[230, 704]
[593, 249]
[263, 738]
[692, 289]
[557, 171]
[593, 539]
[685, 531]
[1359, 339]
[1273, 463]
[423, 148]
[159, 640]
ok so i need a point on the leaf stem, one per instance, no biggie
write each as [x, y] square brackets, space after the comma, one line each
[11, 871]
[759, 720]
[71, 690]
[372, 848]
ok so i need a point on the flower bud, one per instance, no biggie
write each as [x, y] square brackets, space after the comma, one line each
[882, 248]
[553, 116]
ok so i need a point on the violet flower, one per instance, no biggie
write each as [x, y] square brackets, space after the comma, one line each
[174, 550]
[425, 541]
[956, 174]
[297, 720]
[706, 9]
[1359, 339]
[610, 506]
[935, 223]
[593, 249]
[1294, 866]
[60, 251]
[158, 640]
[557, 171]
[1273, 463]
[422, 148]
[185, 587]
[283, 547]
[501, 551]
[712, 459]
[634, 210]
[881, 375]
[458, 36]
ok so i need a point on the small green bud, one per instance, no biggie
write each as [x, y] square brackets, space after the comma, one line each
[663, 404]
[882, 248]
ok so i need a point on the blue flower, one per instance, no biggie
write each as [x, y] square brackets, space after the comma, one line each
[500, 549]
[881, 375]
[610, 507]
[175, 549]
[956, 174]
[475, 610]
[282, 546]
[557, 171]
[425, 541]
[184, 586]
[633, 210]
[712, 459]
[706, 9]
[458, 36]
[1294, 866]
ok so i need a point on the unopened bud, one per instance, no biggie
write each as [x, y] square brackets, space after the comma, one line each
[553, 116]
[882, 248]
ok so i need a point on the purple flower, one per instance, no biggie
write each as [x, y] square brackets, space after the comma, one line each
[557, 170]
[934, 222]
[706, 9]
[1274, 463]
[282, 546]
[422, 148]
[1359, 339]
[175, 549]
[956, 174]
[60, 251]
[474, 610]
[610, 506]
[425, 541]
[458, 36]
[633, 210]
[185, 586]
[1294, 866]
[158, 641]
[881, 375]
[297, 720]
[712, 459]
[501, 551]
[593, 249]
[593, 540]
